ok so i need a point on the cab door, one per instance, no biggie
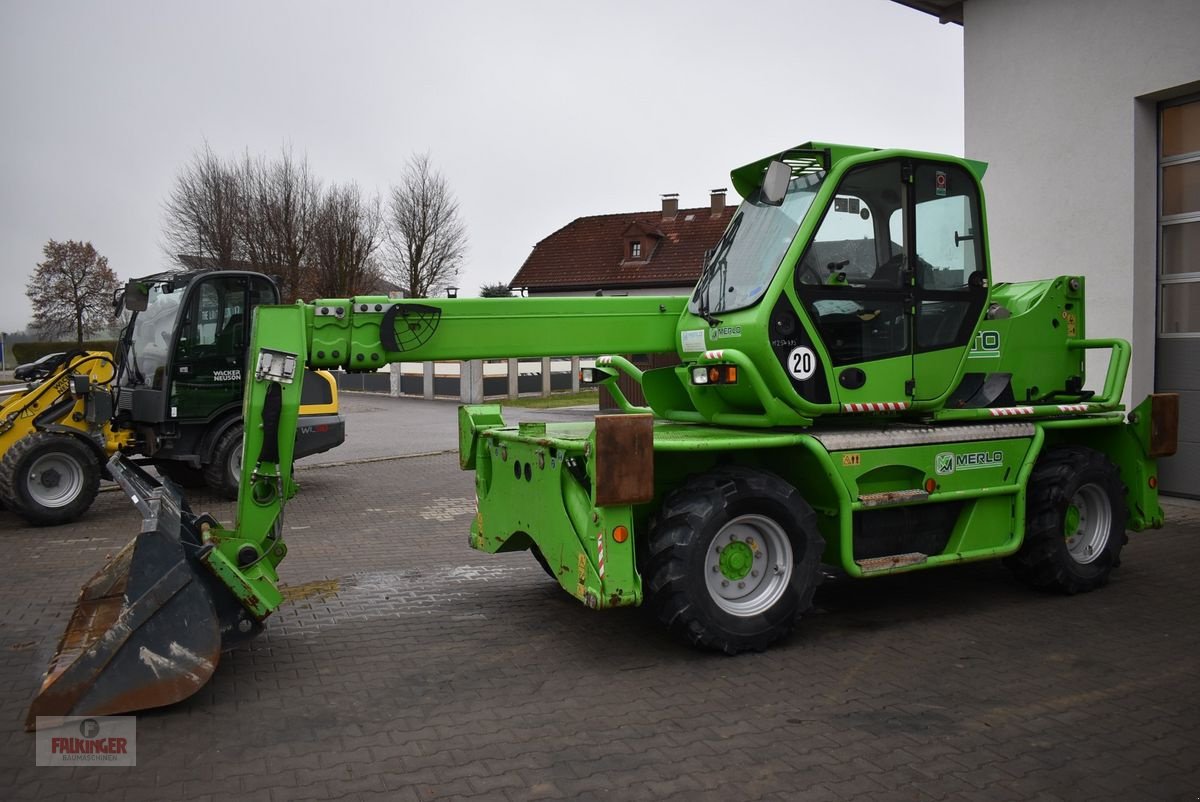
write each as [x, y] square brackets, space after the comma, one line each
[210, 351]
[856, 288]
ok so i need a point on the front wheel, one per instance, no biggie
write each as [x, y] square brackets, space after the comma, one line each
[49, 479]
[1075, 522]
[223, 473]
[734, 559]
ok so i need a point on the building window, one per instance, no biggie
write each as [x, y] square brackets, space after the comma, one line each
[1179, 220]
[635, 250]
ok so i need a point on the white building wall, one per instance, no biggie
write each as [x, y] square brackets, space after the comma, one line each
[1061, 102]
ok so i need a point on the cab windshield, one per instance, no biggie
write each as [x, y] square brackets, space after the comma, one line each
[742, 264]
[150, 342]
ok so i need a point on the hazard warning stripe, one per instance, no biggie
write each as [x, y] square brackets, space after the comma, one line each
[1004, 412]
[876, 406]
[714, 354]
[1072, 407]
[603, 360]
[600, 554]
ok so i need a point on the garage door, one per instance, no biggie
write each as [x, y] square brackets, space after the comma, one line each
[1177, 368]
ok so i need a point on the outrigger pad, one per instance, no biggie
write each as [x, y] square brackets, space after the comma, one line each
[146, 631]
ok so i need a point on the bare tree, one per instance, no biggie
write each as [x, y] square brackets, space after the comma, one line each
[72, 290]
[205, 210]
[428, 239]
[252, 210]
[347, 234]
[280, 217]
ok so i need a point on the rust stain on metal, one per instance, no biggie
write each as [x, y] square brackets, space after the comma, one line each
[624, 459]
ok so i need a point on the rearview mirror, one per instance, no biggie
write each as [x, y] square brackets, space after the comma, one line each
[775, 183]
[137, 297]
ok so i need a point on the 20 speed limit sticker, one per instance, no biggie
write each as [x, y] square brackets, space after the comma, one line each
[802, 363]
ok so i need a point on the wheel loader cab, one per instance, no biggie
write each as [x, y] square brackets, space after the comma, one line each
[187, 348]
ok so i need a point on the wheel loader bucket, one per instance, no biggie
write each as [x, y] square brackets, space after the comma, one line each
[147, 630]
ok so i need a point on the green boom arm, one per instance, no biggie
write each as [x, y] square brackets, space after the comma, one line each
[365, 333]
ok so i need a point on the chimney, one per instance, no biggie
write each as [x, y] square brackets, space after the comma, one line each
[717, 201]
[670, 205]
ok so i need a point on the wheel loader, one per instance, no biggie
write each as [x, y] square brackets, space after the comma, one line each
[173, 396]
[855, 392]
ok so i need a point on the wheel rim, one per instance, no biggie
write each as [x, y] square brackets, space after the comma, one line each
[748, 565]
[235, 464]
[1087, 523]
[54, 480]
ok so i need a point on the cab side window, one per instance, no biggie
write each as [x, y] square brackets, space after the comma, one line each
[947, 268]
[213, 324]
[852, 277]
[854, 246]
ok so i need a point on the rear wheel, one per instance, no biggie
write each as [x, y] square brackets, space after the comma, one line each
[734, 558]
[1075, 528]
[49, 479]
[224, 472]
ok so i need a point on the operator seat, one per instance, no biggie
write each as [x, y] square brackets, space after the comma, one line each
[232, 335]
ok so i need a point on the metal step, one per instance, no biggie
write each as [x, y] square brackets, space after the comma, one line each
[892, 497]
[874, 564]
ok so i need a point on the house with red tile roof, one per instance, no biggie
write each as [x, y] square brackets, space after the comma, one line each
[659, 252]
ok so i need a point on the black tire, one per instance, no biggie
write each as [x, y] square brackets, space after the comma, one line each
[222, 472]
[181, 473]
[683, 552]
[49, 479]
[1075, 522]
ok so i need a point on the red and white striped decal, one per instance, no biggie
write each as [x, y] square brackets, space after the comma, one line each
[714, 354]
[1004, 412]
[600, 554]
[876, 406]
[1072, 407]
[604, 360]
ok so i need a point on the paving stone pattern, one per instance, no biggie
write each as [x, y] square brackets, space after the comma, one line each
[406, 666]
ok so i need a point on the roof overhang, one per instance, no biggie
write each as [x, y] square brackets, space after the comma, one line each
[945, 10]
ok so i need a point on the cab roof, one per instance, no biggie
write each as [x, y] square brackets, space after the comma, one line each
[812, 157]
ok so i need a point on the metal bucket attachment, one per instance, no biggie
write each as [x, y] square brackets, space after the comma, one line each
[147, 630]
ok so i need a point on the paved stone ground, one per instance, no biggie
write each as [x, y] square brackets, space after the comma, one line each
[409, 667]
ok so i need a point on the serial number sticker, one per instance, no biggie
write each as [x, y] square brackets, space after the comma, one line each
[692, 341]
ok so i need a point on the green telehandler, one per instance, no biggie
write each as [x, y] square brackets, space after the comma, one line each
[854, 391]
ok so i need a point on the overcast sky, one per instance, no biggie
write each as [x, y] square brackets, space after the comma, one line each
[536, 112]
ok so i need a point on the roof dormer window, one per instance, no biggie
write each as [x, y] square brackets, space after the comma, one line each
[635, 249]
